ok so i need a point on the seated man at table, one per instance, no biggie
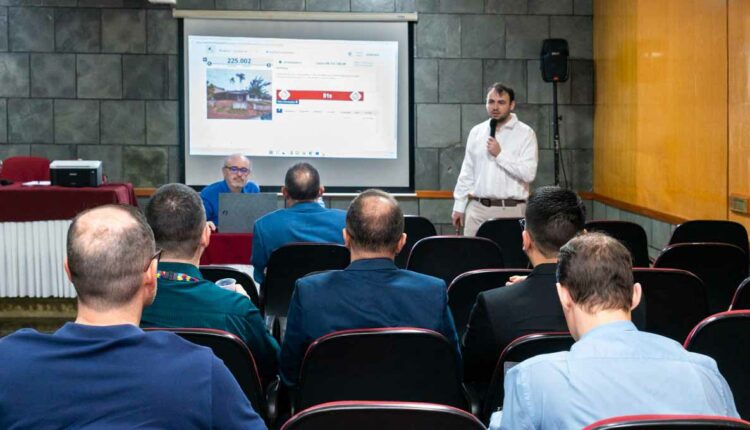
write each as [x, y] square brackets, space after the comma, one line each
[371, 292]
[236, 170]
[102, 371]
[613, 369]
[184, 298]
[304, 219]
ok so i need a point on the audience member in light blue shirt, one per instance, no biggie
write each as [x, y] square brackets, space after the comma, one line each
[236, 170]
[613, 369]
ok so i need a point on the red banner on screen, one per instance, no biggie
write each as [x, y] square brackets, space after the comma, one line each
[348, 96]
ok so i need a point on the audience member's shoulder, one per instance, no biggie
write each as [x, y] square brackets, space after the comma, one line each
[269, 217]
[423, 279]
[505, 291]
[314, 280]
[231, 302]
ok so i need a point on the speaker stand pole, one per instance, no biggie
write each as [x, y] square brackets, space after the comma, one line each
[556, 133]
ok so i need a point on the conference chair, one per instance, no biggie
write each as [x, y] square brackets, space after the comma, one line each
[416, 228]
[391, 364]
[506, 233]
[214, 273]
[673, 301]
[463, 291]
[446, 257]
[720, 231]
[517, 351]
[741, 299]
[291, 262]
[632, 235]
[363, 415]
[725, 338]
[720, 266]
[666, 422]
[24, 169]
[238, 359]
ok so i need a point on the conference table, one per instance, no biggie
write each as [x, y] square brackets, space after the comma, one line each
[34, 222]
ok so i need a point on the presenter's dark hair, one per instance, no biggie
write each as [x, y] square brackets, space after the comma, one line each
[554, 216]
[374, 221]
[597, 271]
[302, 182]
[107, 256]
[502, 88]
[175, 213]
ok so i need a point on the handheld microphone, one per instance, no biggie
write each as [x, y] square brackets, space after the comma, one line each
[493, 125]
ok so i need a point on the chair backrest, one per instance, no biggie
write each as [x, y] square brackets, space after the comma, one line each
[655, 422]
[673, 301]
[721, 231]
[517, 351]
[632, 235]
[741, 299]
[416, 228]
[446, 257]
[24, 169]
[235, 355]
[463, 291]
[392, 364]
[214, 273]
[382, 415]
[720, 266]
[293, 261]
[506, 233]
[725, 338]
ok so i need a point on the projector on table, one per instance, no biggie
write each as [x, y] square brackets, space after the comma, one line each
[75, 173]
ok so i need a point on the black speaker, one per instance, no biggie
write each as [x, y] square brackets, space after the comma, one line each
[555, 60]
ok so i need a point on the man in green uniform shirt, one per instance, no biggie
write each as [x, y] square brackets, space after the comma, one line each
[184, 298]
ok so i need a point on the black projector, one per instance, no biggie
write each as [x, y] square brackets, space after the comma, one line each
[75, 173]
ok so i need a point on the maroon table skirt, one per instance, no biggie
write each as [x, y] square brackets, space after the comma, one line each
[42, 203]
[229, 248]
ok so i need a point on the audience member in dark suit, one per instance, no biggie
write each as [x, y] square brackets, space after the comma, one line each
[102, 371]
[184, 298]
[304, 219]
[371, 292]
[553, 216]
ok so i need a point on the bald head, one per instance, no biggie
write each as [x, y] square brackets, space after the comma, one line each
[302, 182]
[108, 249]
[375, 222]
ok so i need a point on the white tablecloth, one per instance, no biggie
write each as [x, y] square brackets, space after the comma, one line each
[31, 259]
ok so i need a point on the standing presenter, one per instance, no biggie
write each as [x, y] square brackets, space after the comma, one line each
[499, 164]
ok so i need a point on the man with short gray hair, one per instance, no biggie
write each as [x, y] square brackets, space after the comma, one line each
[237, 170]
[102, 371]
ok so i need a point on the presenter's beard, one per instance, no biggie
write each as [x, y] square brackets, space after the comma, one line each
[502, 119]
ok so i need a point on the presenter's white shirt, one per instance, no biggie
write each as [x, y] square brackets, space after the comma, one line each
[506, 176]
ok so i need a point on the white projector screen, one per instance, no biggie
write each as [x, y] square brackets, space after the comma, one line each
[333, 93]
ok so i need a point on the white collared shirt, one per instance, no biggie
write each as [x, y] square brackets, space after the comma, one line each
[506, 176]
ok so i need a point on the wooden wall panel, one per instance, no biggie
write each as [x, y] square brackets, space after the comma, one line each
[661, 108]
[739, 102]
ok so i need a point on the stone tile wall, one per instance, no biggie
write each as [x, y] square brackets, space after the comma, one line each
[98, 79]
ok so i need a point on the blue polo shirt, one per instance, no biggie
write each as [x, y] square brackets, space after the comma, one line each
[210, 197]
[116, 377]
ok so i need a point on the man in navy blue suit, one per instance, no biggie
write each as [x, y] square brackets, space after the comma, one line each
[304, 220]
[372, 292]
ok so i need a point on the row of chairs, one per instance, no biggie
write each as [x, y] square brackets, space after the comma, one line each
[418, 365]
[673, 302]
[425, 416]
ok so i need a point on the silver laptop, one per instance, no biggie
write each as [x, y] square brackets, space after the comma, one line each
[238, 212]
